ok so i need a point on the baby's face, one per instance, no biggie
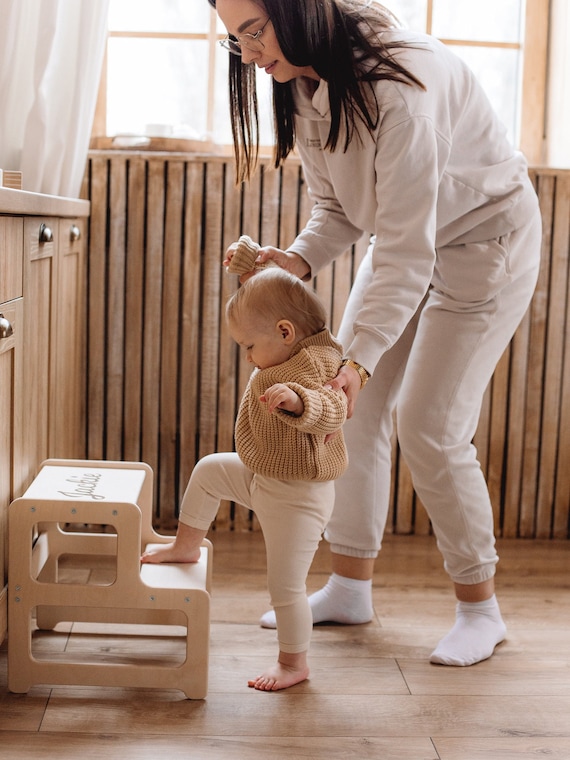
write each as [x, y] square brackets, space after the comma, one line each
[264, 345]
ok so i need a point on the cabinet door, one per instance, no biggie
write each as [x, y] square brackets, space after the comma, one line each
[11, 413]
[40, 286]
[67, 428]
[11, 235]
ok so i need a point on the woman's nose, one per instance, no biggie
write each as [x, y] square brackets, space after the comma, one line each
[247, 55]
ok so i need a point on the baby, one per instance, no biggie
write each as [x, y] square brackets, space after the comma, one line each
[286, 457]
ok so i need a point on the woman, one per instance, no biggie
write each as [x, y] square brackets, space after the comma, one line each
[397, 139]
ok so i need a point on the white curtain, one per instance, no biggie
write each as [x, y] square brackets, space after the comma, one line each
[51, 53]
[558, 115]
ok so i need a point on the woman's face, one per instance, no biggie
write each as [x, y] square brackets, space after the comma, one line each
[248, 17]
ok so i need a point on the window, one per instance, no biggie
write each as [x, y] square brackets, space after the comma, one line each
[488, 35]
[167, 78]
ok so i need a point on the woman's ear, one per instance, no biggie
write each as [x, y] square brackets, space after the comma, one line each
[287, 330]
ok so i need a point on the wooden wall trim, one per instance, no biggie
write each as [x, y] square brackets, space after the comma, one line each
[164, 378]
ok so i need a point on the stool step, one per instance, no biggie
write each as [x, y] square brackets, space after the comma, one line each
[86, 484]
[189, 575]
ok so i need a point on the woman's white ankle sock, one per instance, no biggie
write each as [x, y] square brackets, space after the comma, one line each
[342, 600]
[478, 629]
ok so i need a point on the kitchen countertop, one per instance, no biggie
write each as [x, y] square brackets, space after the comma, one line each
[37, 204]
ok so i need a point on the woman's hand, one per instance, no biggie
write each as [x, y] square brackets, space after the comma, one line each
[347, 380]
[287, 260]
[291, 262]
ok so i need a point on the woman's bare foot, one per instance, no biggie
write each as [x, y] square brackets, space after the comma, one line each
[289, 670]
[184, 548]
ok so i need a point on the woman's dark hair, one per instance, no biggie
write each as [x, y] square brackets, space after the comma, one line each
[340, 40]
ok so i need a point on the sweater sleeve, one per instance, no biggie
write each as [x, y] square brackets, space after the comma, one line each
[404, 253]
[324, 411]
[328, 232]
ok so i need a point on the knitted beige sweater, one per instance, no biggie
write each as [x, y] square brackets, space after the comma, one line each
[282, 446]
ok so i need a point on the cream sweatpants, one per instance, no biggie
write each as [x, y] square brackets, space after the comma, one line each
[435, 377]
[292, 515]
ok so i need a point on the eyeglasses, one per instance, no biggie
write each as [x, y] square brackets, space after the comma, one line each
[250, 41]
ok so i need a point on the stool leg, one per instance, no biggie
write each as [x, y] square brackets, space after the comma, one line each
[194, 683]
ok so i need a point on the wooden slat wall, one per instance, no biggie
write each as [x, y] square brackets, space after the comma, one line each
[164, 377]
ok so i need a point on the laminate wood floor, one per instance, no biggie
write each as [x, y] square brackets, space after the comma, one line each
[372, 692]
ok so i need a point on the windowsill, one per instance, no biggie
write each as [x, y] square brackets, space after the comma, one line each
[137, 144]
[157, 144]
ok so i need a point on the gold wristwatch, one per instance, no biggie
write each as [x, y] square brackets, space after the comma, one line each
[364, 374]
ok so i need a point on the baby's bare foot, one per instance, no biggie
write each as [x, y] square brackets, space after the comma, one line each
[170, 553]
[279, 677]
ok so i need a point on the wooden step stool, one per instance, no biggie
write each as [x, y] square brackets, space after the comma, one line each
[42, 528]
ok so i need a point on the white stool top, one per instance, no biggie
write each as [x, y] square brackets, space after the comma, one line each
[88, 484]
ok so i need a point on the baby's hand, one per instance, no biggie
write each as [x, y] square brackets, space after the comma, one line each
[280, 396]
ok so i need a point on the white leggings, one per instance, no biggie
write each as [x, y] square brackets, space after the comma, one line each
[435, 377]
[292, 515]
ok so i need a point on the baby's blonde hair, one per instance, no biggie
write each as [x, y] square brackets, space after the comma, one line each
[273, 294]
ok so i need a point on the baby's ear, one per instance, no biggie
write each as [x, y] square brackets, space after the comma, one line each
[287, 330]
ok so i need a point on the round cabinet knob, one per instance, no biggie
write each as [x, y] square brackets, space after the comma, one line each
[74, 233]
[46, 235]
[5, 327]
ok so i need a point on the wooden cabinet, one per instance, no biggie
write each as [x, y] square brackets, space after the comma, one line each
[67, 423]
[11, 414]
[40, 302]
[54, 298]
[11, 382]
[43, 348]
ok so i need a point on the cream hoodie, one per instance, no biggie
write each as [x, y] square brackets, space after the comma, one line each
[437, 174]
